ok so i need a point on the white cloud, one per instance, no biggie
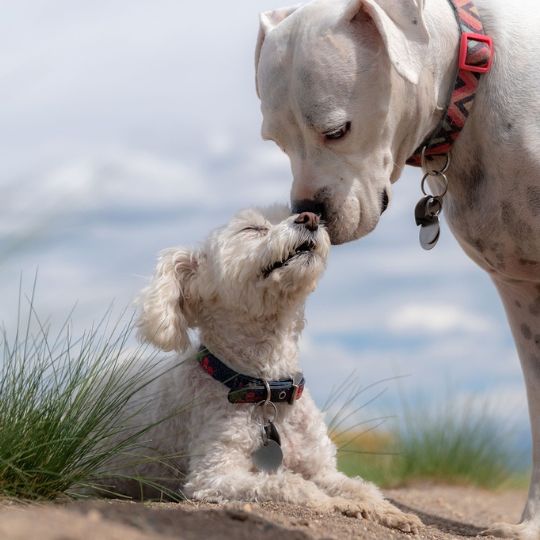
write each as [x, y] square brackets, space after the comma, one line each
[118, 182]
[392, 316]
[129, 180]
[437, 319]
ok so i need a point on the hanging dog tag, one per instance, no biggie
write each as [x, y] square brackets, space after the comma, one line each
[429, 234]
[426, 215]
[269, 456]
[427, 209]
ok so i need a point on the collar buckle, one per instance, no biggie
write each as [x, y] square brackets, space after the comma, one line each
[475, 52]
[294, 393]
[296, 388]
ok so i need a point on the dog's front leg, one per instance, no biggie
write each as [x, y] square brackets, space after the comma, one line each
[522, 303]
[314, 456]
[368, 497]
[235, 482]
[228, 475]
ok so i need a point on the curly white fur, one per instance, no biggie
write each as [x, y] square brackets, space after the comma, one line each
[252, 322]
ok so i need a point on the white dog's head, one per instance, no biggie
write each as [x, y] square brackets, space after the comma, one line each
[263, 263]
[338, 82]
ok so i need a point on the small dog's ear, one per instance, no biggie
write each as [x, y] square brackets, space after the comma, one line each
[403, 30]
[267, 21]
[169, 303]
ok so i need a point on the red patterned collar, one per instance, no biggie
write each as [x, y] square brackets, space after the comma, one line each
[475, 59]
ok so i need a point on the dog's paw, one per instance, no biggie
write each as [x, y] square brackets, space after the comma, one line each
[393, 517]
[523, 531]
[382, 512]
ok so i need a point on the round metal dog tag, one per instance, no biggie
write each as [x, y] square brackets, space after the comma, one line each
[268, 457]
[429, 235]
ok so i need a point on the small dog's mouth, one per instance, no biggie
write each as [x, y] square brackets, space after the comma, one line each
[305, 248]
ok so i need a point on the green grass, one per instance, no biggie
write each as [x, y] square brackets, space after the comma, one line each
[61, 399]
[442, 445]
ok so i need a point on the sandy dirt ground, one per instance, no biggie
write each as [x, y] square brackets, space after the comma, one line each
[448, 512]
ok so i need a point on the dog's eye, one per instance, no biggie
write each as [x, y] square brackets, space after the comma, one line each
[254, 228]
[338, 133]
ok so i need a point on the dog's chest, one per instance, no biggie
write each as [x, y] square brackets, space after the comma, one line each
[305, 442]
[497, 221]
[296, 448]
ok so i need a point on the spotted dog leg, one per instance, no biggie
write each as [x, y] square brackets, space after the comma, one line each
[522, 303]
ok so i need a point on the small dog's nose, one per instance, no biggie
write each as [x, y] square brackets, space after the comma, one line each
[307, 205]
[309, 220]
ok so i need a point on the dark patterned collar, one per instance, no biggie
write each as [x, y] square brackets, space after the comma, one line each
[475, 59]
[246, 389]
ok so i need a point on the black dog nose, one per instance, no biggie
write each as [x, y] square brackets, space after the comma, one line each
[308, 205]
[309, 220]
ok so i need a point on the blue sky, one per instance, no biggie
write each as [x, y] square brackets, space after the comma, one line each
[131, 126]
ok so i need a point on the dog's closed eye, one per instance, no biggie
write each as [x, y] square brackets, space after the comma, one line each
[254, 228]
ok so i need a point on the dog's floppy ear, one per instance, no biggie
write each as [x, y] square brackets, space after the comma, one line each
[169, 304]
[267, 21]
[402, 27]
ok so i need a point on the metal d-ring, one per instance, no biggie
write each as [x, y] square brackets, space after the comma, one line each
[265, 403]
[431, 175]
[266, 416]
[433, 172]
[268, 393]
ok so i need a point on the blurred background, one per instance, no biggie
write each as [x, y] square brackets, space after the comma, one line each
[131, 126]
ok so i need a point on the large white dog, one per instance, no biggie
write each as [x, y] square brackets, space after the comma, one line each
[244, 291]
[350, 89]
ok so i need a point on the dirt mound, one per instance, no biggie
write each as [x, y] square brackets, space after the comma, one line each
[448, 512]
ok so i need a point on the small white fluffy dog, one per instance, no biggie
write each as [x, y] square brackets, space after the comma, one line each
[244, 291]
